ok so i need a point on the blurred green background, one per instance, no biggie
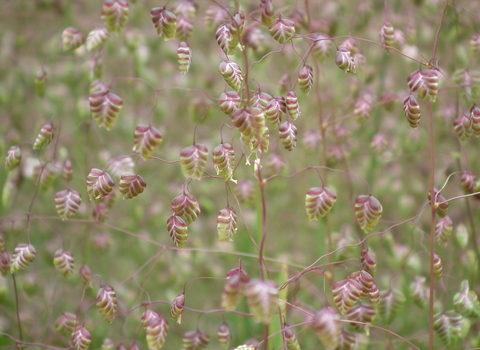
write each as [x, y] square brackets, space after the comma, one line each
[132, 251]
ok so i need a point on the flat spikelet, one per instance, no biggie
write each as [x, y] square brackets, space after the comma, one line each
[105, 108]
[287, 131]
[96, 38]
[157, 331]
[63, 262]
[22, 256]
[186, 206]
[411, 108]
[224, 336]
[178, 230]
[318, 202]
[282, 30]
[67, 203]
[262, 297]
[65, 323]
[165, 22]
[45, 136]
[107, 303]
[232, 74]
[305, 79]
[328, 327]
[71, 39]
[368, 211]
[146, 140]
[14, 156]
[425, 82]
[193, 160]
[184, 57]
[131, 185]
[81, 338]
[177, 307]
[344, 60]
[226, 224]
[448, 326]
[224, 160]
[99, 184]
[387, 37]
[293, 108]
[115, 15]
[229, 102]
[346, 293]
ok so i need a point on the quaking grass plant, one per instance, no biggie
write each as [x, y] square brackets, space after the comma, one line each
[240, 174]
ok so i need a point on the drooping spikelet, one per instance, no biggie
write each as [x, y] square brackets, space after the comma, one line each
[193, 160]
[99, 184]
[115, 15]
[105, 108]
[186, 206]
[282, 30]
[448, 326]
[45, 136]
[226, 224]
[165, 22]
[466, 301]
[274, 110]
[387, 37]
[96, 38]
[184, 57]
[463, 126]
[344, 60]
[22, 256]
[328, 327]
[178, 230]
[262, 298]
[63, 262]
[224, 160]
[67, 203]
[293, 108]
[131, 185]
[81, 338]
[411, 108]
[146, 140]
[229, 102]
[234, 287]
[287, 132]
[107, 303]
[195, 340]
[13, 158]
[157, 331]
[71, 39]
[177, 307]
[318, 202]
[305, 79]
[425, 82]
[443, 229]
[232, 74]
[346, 293]
[224, 336]
[368, 211]
[65, 323]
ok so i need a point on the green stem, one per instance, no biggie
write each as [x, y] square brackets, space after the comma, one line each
[473, 241]
[323, 160]
[377, 118]
[263, 222]
[20, 334]
[432, 228]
